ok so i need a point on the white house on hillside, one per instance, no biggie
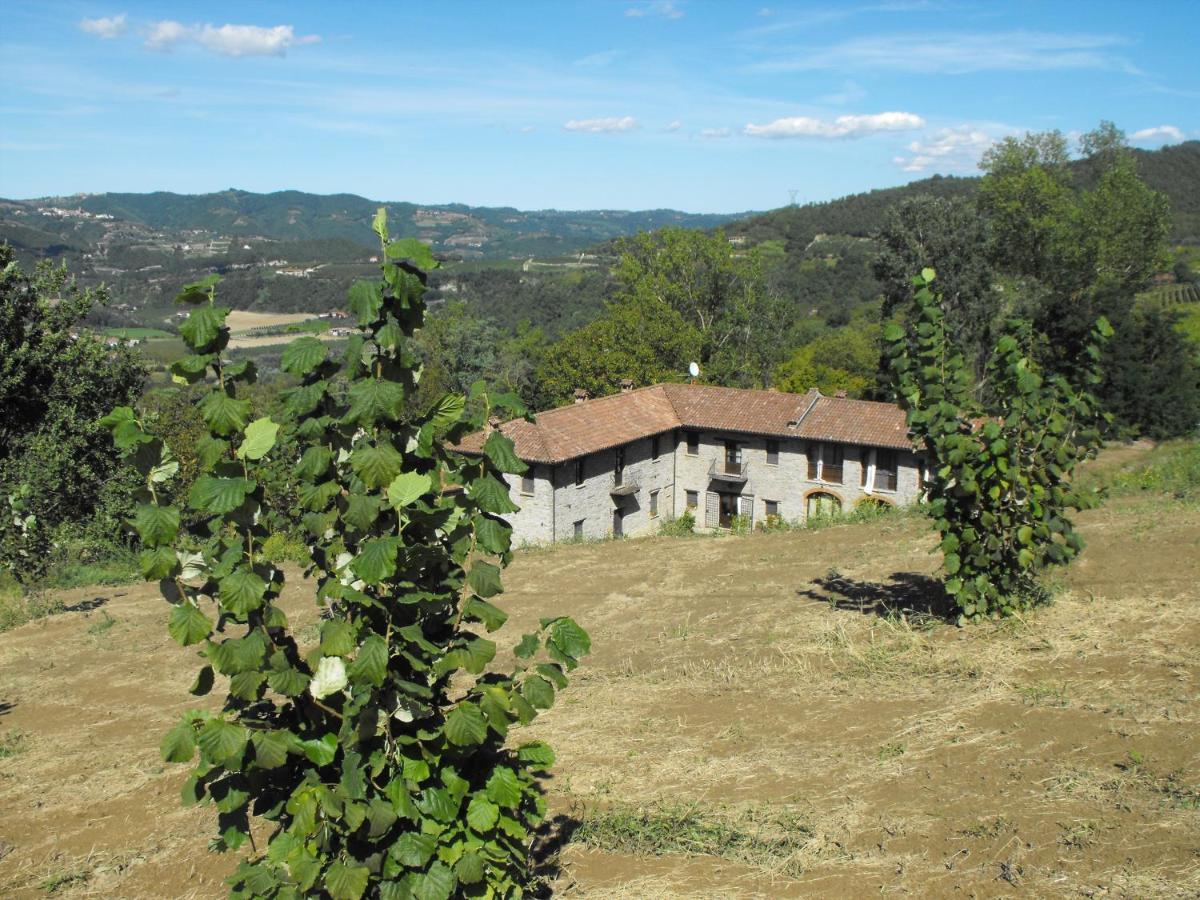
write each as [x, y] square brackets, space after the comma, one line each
[623, 464]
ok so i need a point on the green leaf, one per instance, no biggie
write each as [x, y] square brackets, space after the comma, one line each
[499, 449]
[465, 725]
[379, 223]
[365, 300]
[158, 563]
[527, 647]
[537, 753]
[484, 579]
[303, 355]
[493, 535]
[446, 411]
[188, 625]
[246, 685]
[288, 681]
[179, 744]
[376, 560]
[260, 439]
[373, 400]
[370, 665]
[345, 882]
[242, 591]
[156, 524]
[436, 884]
[408, 487]
[376, 464]
[314, 463]
[414, 849]
[321, 751]
[470, 868]
[569, 638]
[492, 617]
[270, 748]
[491, 495]
[203, 326]
[893, 332]
[411, 249]
[361, 511]
[482, 813]
[217, 496]
[928, 274]
[504, 788]
[952, 563]
[222, 742]
[235, 655]
[224, 415]
[538, 691]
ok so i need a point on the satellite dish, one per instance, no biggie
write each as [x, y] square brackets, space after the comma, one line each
[694, 370]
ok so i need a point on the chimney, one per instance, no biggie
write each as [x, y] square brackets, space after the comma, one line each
[493, 424]
[841, 395]
[626, 385]
[581, 394]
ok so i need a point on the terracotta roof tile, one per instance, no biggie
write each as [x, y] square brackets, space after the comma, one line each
[572, 431]
[862, 422]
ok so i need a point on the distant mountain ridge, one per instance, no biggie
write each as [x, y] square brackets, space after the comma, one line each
[1173, 170]
[468, 231]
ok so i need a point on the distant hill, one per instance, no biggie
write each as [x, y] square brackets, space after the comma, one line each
[466, 231]
[1174, 170]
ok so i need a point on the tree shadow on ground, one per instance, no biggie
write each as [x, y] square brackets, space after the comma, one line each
[6, 707]
[904, 593]
[549, 842]
[86, 605]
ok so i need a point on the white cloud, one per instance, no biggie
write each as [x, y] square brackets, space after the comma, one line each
[949, 149]
[714, 133]
[1159, 132]
[228, 40]
[605, 124]
[1020, 51]
[107, 27]
[165, 34]
[597, 60]
[841, 127]
[674, 125]
[667, 9]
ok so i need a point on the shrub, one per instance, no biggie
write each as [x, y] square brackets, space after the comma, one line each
[681, 527]
[1001, 476]
[378, 756]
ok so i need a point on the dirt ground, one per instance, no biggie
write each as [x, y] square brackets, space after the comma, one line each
[817, 747]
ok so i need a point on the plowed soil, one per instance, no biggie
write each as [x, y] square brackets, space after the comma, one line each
[816, 745]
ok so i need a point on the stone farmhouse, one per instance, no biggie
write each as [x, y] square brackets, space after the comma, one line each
[623, 464]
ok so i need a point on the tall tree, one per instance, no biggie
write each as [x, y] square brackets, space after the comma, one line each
[951, 236]
[56, 381]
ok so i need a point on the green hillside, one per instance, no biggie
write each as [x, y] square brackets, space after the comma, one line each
[1175, 171]
[481, 232]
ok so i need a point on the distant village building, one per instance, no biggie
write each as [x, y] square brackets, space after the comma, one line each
[623, 464]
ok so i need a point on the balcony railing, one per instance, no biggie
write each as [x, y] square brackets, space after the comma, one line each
[724, 470]
[624, 484]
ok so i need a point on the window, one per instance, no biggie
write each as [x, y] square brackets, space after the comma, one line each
[693, 443]
[693, 499]
[653, 504]
[771, 507]
[619, 466]
[579, 529]
[618, 523]
[527, 481]
[772, 453]
[825, 463]
[654, 447]
[885, 470]
[579, 472]
[879, 469]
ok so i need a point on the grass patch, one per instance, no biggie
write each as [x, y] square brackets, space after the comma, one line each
[989, 828]
[58, 881]
[141, 334]
[772, 840]
[12, 743]
[98, 628]
[1172, 468]
[18, 607]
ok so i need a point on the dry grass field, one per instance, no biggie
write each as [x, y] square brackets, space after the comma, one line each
[753, 723]
[241, 320]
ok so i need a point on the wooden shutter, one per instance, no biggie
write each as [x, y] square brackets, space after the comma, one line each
[712, 509]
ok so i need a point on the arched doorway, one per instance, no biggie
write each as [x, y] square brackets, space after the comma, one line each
[823, 505]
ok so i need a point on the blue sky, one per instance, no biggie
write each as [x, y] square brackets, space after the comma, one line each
[701, 106]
